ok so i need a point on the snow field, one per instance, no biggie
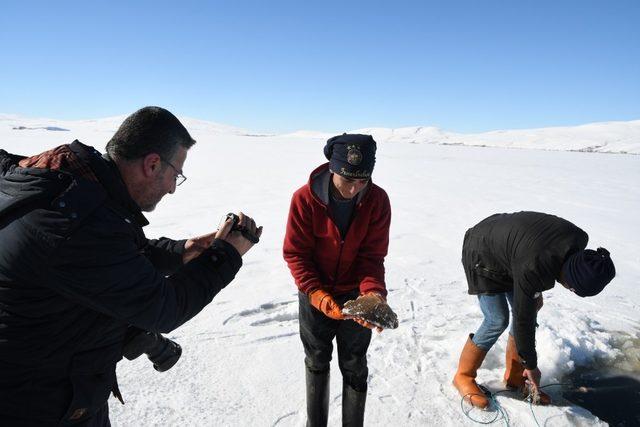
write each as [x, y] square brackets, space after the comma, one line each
[242, 362]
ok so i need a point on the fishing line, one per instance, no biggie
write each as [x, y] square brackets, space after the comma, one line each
[501, 413]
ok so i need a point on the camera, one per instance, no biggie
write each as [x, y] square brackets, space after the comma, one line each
[161, 351]
[236, 227]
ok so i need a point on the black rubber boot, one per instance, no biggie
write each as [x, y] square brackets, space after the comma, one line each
[353, 403]
[317, 398]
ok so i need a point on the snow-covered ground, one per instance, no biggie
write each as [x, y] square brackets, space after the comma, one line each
[242, 362]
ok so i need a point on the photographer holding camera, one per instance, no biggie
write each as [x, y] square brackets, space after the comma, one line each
[80, 284]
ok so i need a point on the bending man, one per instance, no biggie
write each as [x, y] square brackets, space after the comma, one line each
[509, 260]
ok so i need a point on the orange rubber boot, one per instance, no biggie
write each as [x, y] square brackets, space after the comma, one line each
[513, 374]
[465, 379]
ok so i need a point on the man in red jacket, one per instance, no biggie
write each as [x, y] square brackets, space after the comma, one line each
[336, 240]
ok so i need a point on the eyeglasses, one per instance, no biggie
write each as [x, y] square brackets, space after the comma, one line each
[180, 178]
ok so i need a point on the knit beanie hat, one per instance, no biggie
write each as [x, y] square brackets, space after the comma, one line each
[589, 271]
[351, 155]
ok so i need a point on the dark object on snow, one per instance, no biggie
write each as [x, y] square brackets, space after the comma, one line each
[351, 155]
[589, 271]
[161, 351]
[53, 128]
[246, 233]
[373, 309]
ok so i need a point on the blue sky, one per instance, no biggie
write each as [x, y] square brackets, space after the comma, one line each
[284, 65]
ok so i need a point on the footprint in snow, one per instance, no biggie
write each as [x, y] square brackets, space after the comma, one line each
[271, 312]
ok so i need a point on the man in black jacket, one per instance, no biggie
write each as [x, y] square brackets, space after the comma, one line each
[78, 277]
[509, 260]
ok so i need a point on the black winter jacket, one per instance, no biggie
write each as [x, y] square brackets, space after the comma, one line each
[521, 252]
[76, 271]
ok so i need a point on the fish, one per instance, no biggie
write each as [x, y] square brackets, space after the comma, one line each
[373, 309]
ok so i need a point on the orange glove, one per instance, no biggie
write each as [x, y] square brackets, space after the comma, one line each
[324, 302]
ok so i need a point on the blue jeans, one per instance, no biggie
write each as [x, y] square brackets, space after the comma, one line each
[495, 308]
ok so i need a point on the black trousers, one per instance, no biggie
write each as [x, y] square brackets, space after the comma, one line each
[317, 332]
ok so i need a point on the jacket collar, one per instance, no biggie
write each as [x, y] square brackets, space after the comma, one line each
[110, 178]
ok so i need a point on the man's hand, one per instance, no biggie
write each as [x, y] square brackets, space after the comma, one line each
[533, 378]
[235, 238]
[324, 302]
[365, 324]
[196, 245]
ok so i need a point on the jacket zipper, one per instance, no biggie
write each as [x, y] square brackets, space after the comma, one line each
[491, 273]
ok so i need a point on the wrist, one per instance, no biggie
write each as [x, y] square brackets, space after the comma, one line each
[318, 297]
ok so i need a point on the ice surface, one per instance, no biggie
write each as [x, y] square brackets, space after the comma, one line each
[242, 362]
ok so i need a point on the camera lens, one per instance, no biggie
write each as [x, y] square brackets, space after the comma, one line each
[161, 351]
[164, 354]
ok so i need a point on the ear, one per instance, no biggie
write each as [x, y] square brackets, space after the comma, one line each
[151, 164]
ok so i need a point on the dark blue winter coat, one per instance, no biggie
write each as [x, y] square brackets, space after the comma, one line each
[76, 271]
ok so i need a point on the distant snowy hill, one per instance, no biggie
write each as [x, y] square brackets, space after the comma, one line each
[107, 124]
[605, 137]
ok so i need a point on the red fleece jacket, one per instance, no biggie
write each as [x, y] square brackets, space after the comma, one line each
[315, 252]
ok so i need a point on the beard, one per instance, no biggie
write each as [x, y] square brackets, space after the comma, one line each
[154, 195]
[147, 207]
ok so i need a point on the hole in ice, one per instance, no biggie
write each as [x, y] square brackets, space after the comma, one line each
[610, 390]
